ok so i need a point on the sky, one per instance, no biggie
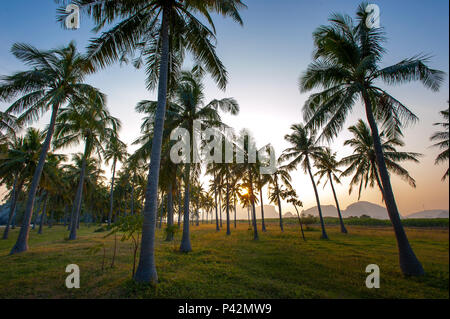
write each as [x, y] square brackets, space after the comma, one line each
[264, 59]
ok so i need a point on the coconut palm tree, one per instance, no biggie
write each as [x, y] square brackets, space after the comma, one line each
[55, 77]
[248, 172]
[8, 124]
[327, 166]
[85, 121]
[116, 150]
[163, 31]
[362, 163]
[50, 182]
[443, 142]
[19, 164]
[225, 172]
[347, 58]
[234, 189]
[93, 177]
[303, 150]
[186, 106]
[212, 169]
[292, 198]
[275, 181]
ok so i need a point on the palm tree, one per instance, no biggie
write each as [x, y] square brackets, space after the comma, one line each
[88, 121]
[50, 182]
[362, 163]
[234, 189]
[8, 124]
[212, 169]
[92, 179]
[55, 76]
[443, 142]
[187, 106]
[225, 172]
[163, 30]
[280, 175]
[303, 149]
[327, 166]
[346, 65]
[116, 150]
[291, 197]
[19, 164]
[249, 173]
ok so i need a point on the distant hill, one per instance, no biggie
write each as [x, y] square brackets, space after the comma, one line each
[435, 213]
[355, 209]
[327, 211]
[366, 208]
[288, 215]
[373, 210]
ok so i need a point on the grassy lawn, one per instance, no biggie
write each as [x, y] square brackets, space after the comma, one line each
[279, 265]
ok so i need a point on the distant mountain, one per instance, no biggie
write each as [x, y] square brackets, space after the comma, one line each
[327, 211]
[355, 209]
[435, 213]
[288, 215]
[366, 208]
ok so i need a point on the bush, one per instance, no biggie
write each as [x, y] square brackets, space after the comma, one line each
[310, 219]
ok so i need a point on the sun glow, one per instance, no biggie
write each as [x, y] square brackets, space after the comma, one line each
[243, 191]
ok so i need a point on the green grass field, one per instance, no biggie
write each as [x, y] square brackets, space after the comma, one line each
[279, 265]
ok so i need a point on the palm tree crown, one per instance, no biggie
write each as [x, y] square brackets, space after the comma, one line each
[362, 163]
[443, 141]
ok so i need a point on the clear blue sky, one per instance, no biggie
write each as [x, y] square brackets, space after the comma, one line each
[264, 59]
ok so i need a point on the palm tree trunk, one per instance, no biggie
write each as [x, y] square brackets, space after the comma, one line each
[255, 229]
[65, 215]
[13, 203]
[377, 177]
[228, 206]
[36, 212]
[235, 222]
[111, 194]
[44, 212]
[220, 209]
[161, 212]
[197, 212]
[248, 215]
[75, 222]
[409, 263]
[197, 220]
[50, 222]
[169, 236]
[185, 246]
[343, 229]
[146, 271]
[279, 202]
[262, 210]
[179, 207]
[215, 202]
[322, 224]
[132, 198]
[126, 206]
[22, 240]
[300, 222]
